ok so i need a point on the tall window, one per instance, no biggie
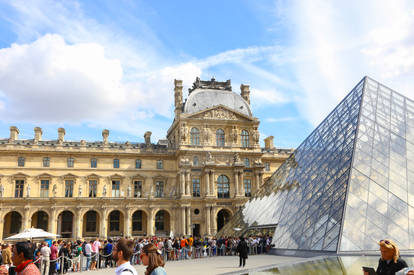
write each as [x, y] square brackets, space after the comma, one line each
[91, 221]
[20, 162]
[159, 189]
[245, 138]
[196, 187]
[116, 186]
[44, 188]
[223, 187]
[138, 163]
[137, 189]
[92, 188]
[220, 137]
[195, 136]
[94, 163]
[137, 221]
[19, 189]
[246, 162]
[195, 161]
[46, 162]
[160, 164]
[247, 187]
[267, 166]
[159, 221]
[68, 188]
[114, 220]
[116, 163]
[71, 162]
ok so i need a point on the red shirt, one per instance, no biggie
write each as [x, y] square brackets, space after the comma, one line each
[27, 268]
[53, 252]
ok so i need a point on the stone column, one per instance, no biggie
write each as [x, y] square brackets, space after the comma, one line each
[78, 224]
[207, 182]
[187, 186]
[189, 231]
[241, 184]
[182, 183]
[212, 184]
[26, 219]
[1, 226]
[104, 222]
[257, 181]
[52, 228]
[236, 183]
[208, 218]
[214, 220]
[151, 222]
[152, 188]
[128, 225]
[183, 220]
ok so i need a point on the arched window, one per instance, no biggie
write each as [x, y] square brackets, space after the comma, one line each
[195, 136]
[195, 161]
[223, 187]
[246, 162]
[220, 138]
[245, 138]
[137, 221]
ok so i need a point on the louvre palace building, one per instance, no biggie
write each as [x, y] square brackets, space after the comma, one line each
[188, 184]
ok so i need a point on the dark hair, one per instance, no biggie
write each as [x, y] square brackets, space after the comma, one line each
[155, 258]
[126, 246]
[25, 248]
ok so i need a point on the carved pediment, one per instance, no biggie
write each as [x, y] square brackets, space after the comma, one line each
[220, 112]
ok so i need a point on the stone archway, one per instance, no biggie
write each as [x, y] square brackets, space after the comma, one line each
[223, 217]
[40, 219]
[65, 224]
[12, 224]
[115, 223]
[91, 222]
[162, 223]
[139, 223]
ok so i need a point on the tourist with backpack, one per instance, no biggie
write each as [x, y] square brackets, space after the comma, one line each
[76, 255]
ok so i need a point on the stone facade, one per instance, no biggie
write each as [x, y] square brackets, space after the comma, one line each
[191, 183]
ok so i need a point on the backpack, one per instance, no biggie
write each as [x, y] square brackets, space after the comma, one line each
[76, 251]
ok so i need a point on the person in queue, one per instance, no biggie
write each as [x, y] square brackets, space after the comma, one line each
[122, 253]
[390, 262]
[23, 259]
[151, 257]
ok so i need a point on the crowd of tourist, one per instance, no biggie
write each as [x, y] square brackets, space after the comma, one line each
[62, 256]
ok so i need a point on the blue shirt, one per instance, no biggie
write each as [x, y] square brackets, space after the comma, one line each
[108, 249]
[159, 271]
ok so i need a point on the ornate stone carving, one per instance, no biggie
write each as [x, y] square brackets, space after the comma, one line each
[183, 132]
[210, 84]
[28, 191]
[54, 190]
[129, 191]
[256, 135]
[104, 190]
[1, 190]
[234, 134]
[236, 158]
[80, 190]
[206, 134]
[220, 113]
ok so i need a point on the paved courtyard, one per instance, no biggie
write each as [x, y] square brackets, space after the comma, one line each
[210, 266]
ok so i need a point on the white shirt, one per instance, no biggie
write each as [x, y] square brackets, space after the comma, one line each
[88, 249]
[120, 269]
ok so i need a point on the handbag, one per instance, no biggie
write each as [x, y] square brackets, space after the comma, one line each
[57, 266]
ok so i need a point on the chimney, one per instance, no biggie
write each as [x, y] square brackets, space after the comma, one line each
[61, 135]
[245, 92]
[178, 95]
[14, 133]
[269, 143]
[37, 134]
[105, 135]
[147, 137]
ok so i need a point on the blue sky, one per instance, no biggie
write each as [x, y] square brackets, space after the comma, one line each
[90, 65]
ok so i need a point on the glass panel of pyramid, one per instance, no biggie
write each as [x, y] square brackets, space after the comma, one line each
[348, 185]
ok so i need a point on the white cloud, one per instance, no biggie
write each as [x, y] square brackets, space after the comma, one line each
[343, 41]
[280, 119]
[267, 97]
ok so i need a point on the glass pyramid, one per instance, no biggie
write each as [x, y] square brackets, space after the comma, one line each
[348, 185]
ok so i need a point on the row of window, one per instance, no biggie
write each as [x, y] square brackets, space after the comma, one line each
[94, 163]
[220, 137]
[223, 188]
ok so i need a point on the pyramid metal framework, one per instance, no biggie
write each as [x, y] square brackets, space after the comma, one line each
[348, 185]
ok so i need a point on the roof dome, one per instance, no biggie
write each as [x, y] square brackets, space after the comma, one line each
[207, 94]
[201, 99]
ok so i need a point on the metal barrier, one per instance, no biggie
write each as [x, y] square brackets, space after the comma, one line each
[71, 264]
